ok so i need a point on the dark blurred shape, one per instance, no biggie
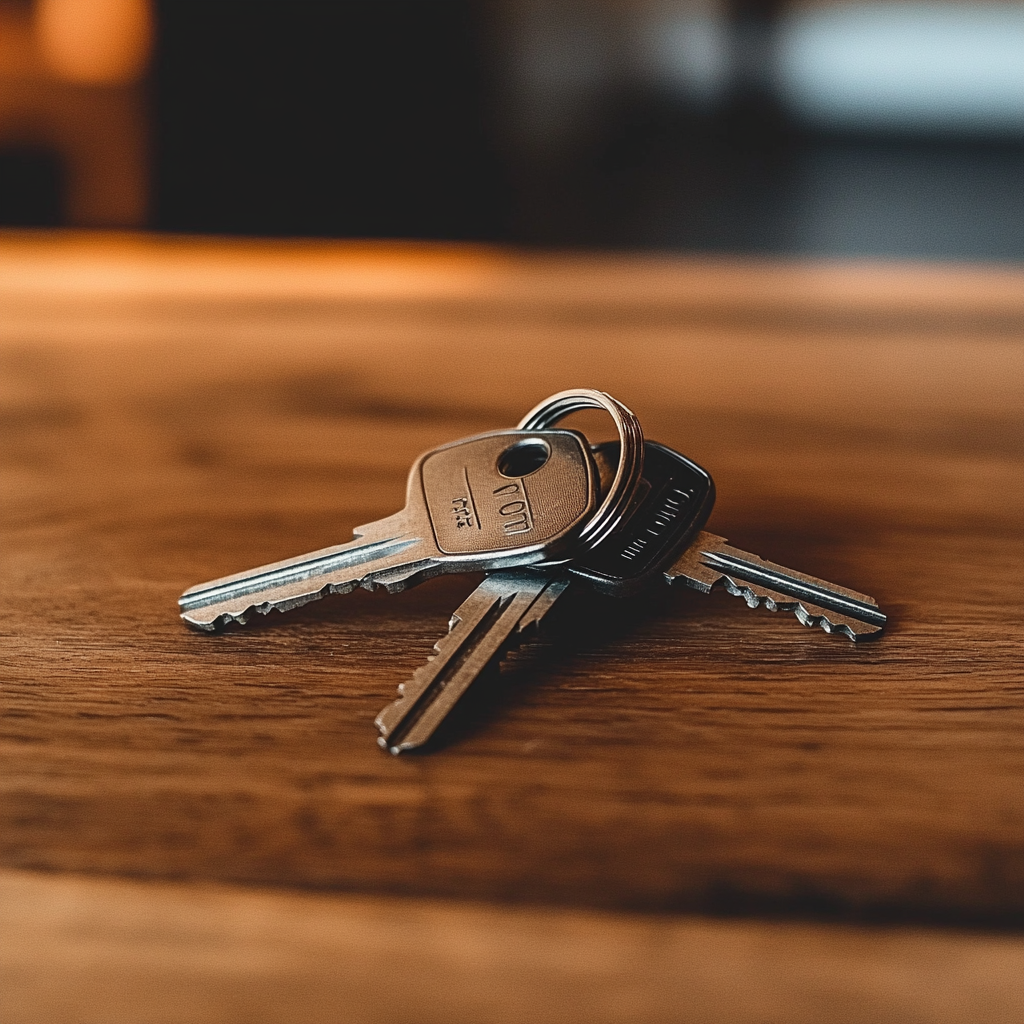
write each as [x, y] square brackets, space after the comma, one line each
[862, 128]
[324, 118]
[754, 126]
[31, 188]
[664, 178]
[74, 130]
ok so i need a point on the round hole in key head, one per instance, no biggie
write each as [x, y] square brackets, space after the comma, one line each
[524, 457]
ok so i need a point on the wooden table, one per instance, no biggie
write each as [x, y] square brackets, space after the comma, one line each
[673, 810]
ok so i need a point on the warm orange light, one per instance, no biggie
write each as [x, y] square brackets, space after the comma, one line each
[95, 42]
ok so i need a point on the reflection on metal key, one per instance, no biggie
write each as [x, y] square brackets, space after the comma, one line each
[497, 500]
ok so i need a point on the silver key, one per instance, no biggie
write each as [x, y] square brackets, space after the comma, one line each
[497, 500]
[710, 561]
[498, 615]
[675, 500]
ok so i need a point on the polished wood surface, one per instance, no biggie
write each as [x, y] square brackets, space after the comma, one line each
[100, 952]
[173, 411]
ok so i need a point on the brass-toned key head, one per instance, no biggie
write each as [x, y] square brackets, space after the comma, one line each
[509, 489]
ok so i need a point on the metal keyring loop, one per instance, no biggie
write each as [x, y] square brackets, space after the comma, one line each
[631, 453]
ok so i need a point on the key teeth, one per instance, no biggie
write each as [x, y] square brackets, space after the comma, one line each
[808, 614]
[824, 622]
[221, 622]
[395, 580]
[225, 619]
[517, 637]
[486, 606]
[514, 639]
[205, 627]
[391, 580]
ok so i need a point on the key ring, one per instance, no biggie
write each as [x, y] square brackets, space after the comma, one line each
[631, 458]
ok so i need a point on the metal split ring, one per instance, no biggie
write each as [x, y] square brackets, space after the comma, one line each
[613, 508]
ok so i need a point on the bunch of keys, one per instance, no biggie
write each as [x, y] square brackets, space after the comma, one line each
[542, 512]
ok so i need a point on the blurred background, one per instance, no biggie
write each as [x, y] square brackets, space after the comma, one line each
[822, 127]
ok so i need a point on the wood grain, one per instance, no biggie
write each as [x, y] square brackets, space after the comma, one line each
[130, 952]
[172, 412]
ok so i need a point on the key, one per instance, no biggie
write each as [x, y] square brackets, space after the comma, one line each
[497, 616]
[497, 500]
[711, 561]
[673, 501]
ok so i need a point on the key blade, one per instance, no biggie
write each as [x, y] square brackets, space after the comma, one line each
[382, 554]
[497, 616]
[711, 560]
